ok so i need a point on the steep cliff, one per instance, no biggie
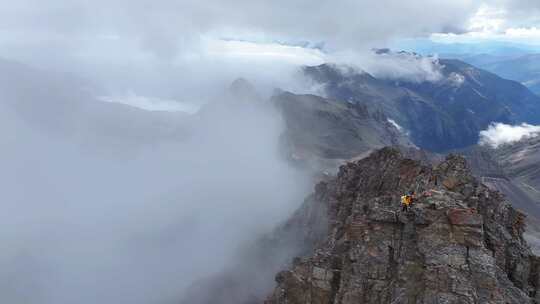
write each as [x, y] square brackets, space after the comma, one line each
[460, 243]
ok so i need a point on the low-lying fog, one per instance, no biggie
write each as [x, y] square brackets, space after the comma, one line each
[113, 222]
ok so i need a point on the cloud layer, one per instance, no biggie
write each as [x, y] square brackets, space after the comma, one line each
[502, 20]
[152, 103]
[171, 49]
[86, 225]
[167, 29]
[499, 134]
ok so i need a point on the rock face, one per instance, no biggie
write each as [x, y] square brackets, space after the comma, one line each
[460, 243]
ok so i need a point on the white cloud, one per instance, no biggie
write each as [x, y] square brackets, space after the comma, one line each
[525, 35]
[176, 48]
[501, 20]
[246, 50]
[498, 134]
[152, 103]
[456, 79]
[394, 66]
[168, 28]
[487, 19]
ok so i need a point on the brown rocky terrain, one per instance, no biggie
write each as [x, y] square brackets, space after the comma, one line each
[460, 243]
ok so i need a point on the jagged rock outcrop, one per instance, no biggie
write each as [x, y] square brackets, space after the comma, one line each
[460, 243]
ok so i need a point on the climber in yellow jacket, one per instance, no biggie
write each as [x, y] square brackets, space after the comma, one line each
[406, 201]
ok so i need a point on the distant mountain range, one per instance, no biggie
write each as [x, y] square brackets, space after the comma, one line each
[523, 68]
[458, 50]
[440, 115]
[514, 61]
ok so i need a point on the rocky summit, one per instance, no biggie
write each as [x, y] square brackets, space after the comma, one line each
[460, 242]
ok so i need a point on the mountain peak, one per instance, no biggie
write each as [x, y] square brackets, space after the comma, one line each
[459, 243]
[243, 90]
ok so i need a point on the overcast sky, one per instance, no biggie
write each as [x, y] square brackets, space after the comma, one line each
[180, 30]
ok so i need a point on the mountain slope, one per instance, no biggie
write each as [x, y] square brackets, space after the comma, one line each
[513, 168]
[321, 130]
[523, 68]
[440, 115]
[462, 244]
[521, 161]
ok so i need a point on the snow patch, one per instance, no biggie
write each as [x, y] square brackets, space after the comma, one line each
[395, 124]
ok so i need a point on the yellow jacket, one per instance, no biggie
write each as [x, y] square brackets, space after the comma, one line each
[406, 200]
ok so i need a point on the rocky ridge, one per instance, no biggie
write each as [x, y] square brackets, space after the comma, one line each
[460, 243]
